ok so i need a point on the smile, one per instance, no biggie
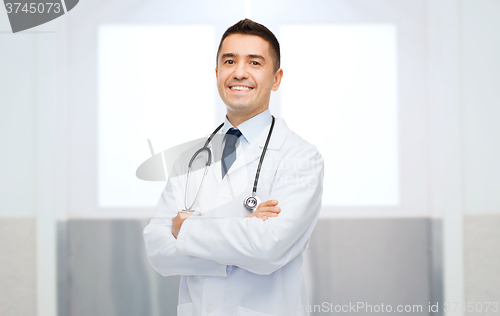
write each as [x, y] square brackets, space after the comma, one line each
[240, 88]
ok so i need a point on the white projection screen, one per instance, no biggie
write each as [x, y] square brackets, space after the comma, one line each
[149, 78]
[339, 92]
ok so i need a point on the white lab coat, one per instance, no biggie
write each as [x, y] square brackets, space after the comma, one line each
[232, 265]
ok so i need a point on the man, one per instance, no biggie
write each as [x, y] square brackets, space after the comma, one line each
[232, 261]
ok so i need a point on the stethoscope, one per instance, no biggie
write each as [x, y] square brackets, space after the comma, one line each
[250, 202]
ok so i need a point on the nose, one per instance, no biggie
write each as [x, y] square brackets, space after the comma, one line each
[240, 72]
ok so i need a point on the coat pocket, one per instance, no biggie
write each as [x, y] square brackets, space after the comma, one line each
[242, 311]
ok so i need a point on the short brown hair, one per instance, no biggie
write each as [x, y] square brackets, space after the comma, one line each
[249, 27]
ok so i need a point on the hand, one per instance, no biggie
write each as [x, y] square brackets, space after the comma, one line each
[266, 209]
[177, 222]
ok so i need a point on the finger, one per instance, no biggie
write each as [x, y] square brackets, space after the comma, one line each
[273, 209]
[269, 203]
[270, 214]
[183, 215]
[258, 214]
[265, 214]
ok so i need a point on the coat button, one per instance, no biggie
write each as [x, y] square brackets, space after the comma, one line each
[222, 272]
[209, 309]
[179, 249]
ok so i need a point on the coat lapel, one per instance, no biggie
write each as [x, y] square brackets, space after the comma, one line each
[216, 148]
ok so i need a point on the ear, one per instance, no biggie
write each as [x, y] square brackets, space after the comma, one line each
[277, 79]
[216, 74]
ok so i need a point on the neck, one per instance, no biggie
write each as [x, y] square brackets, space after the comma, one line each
[237, 118]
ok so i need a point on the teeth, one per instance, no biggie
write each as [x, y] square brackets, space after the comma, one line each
[240, 88]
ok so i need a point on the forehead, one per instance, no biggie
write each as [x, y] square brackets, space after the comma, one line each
[242, 44]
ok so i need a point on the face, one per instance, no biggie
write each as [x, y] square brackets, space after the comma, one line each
[245, 75]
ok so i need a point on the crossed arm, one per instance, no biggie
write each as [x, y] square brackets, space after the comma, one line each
[207, 246]
[264, 211]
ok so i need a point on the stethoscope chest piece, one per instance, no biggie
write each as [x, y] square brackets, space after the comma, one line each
[251, 203]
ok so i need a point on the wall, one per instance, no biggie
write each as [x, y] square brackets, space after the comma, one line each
[33, 124]
[17, 173]
[480, 74]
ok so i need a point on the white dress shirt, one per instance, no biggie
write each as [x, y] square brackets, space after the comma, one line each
[249, 129]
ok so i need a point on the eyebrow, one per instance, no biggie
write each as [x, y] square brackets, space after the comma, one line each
[256, 56]
[228, 55]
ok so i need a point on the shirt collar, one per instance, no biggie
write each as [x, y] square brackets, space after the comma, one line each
[252, 127]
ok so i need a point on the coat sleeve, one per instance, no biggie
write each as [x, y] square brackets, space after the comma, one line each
[161, 245]
[258, 246]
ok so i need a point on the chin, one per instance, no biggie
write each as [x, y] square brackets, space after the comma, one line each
[239, 107]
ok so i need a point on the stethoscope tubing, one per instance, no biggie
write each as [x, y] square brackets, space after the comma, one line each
[209, 161]
[207, 165]
[254, 191]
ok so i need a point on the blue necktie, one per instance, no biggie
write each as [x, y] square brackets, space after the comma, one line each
[229, 153]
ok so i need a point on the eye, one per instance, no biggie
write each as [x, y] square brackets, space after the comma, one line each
[229, 61]
[255, 63]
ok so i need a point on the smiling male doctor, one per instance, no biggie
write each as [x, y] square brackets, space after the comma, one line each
[234, 262]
